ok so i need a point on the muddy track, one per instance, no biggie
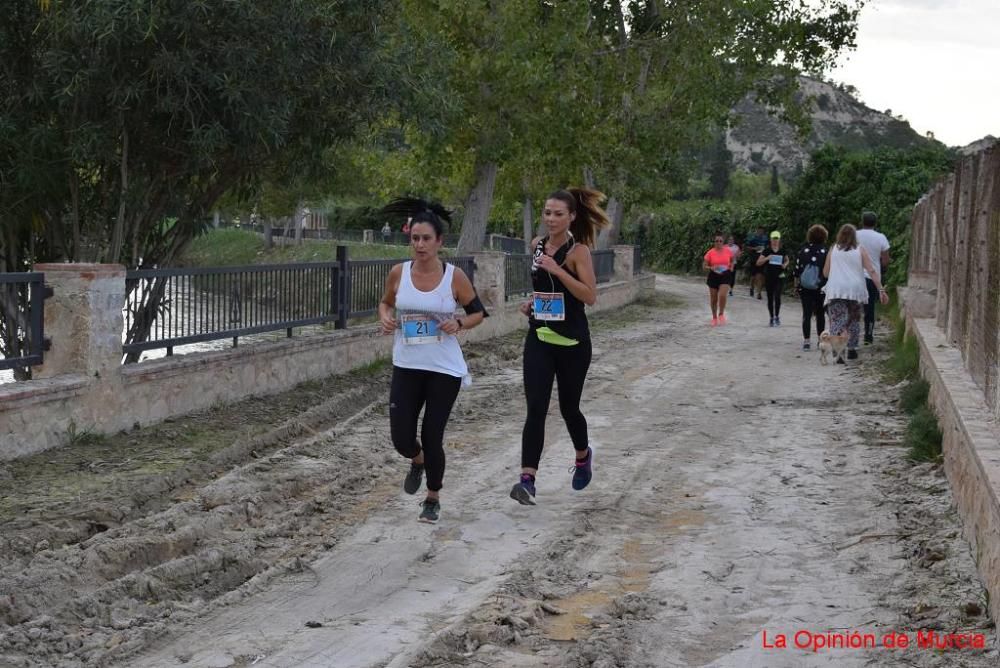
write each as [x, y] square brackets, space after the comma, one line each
[740, 488]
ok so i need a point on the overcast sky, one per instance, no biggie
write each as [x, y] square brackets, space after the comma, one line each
[936, 62]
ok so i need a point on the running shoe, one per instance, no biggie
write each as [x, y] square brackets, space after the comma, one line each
[777, 321]
[771, 323]
[760, 295]
[413, 478]
[806, 346]
[524, 491]
[431, 511]
[715, 321]
[583, 471]
[722, 319]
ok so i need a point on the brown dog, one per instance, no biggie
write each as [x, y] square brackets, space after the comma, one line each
[831, 344]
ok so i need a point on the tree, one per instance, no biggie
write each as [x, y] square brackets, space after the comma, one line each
[840, 184]
[679, 68]
[539, 94]
[117, 116]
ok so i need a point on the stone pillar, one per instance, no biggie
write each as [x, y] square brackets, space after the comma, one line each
[490, 279]
[83, 319]
[624, 260]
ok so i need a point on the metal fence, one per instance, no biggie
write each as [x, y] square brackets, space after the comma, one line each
[604, 265]
[517, 275]
[955, 247]
[517, 271]
[172, 307]
[22, 319]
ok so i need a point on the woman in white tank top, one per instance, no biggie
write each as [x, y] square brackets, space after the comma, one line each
[845, 289]
[428, 369]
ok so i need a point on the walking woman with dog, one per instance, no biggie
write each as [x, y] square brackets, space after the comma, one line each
[557, 346]
[774, 262]
[720, 264]
[428, 369]
[846, 291]
[809, 282]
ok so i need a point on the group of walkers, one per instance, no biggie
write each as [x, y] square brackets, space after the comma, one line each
[843, 282]
[418, 308]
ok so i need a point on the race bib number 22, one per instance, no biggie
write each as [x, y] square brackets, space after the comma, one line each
[549, 306]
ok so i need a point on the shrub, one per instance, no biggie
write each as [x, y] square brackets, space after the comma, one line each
[923, 436]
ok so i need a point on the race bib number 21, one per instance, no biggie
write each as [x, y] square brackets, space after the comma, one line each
[420, 328]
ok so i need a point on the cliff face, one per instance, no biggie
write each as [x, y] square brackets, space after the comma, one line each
[759, 140]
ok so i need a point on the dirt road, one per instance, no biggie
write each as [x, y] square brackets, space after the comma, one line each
[741, 492]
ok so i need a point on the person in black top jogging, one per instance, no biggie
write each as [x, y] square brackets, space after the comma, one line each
[809, 280]
[557, 346]
[774, 262]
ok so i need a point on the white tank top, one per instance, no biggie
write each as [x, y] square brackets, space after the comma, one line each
[443, 356]
[847, 276]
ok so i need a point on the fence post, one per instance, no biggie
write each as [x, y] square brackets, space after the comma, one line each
[343, 288]
[84, 320]
[490, 279]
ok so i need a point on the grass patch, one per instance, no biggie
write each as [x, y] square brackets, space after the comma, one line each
[904, 363]
[914, 395]
[230, 247]
[923, 436]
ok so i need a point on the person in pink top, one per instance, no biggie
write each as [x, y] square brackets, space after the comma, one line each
[719, 262]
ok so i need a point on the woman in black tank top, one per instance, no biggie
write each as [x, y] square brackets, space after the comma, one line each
[557, 345]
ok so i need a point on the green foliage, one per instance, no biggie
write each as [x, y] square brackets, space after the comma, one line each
[626, 90]
[923, 436]
[904, 363]
[839, 184]
[116, 115]
[748, 189]
[914, 395]
[355, 218]
[240, 247]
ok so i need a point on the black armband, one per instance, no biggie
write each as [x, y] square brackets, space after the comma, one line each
[476, 306]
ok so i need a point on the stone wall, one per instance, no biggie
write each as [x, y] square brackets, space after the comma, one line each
[84, 388]
[971, 438]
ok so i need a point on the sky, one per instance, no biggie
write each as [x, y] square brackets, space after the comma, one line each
[935, 62]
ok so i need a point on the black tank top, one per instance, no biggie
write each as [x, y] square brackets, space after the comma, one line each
[575, 326]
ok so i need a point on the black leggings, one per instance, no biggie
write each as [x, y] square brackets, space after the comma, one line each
[411, 389]
[870, 307]
[543, 363]
[812, 305]
[774, 287]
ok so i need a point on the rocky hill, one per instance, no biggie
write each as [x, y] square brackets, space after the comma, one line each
[758, 140]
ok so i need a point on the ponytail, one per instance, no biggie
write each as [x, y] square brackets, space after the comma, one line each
[590, 217]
